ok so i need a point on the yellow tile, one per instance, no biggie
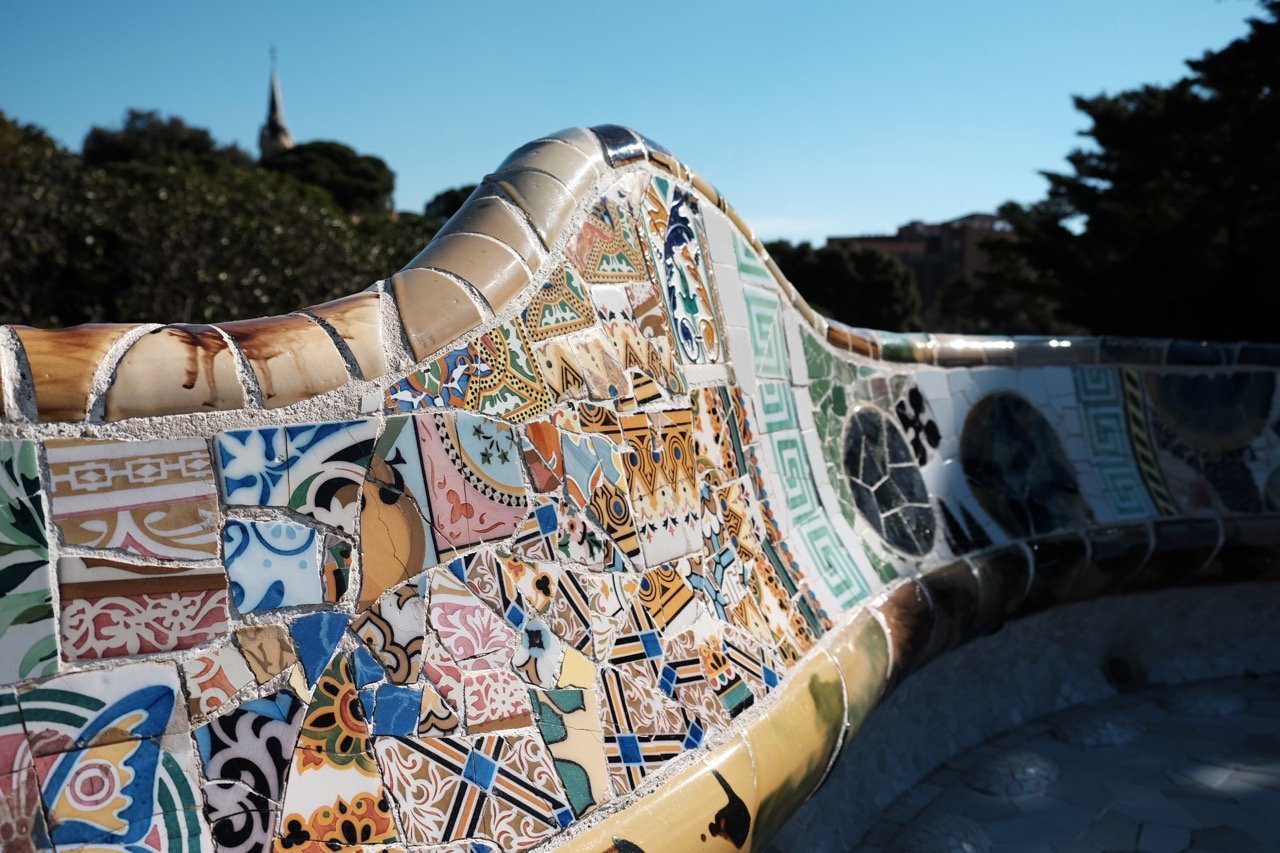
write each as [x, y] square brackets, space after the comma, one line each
[63, 363]
[577, 670]
[793, 743]
[293, 357]
[433, 308]
[862, 653]
[356, 320]
[175, 369]
[709, 806]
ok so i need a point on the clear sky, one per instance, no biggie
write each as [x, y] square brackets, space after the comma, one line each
[812, 118]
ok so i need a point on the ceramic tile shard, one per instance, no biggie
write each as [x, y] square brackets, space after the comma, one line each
[493, 375]
[315, 469]
[111, 608]
[271, 564]
[393, 630]
[27, 625]
[677, 251]
[151, 498]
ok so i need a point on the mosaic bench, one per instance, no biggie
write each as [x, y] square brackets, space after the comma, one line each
[583, 529]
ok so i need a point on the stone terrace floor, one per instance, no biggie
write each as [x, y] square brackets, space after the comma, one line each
[1195, 767]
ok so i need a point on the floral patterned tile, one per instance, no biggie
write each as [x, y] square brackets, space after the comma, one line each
[26, 609]
[271, 564]
[449, 789]
[569, 722]
[151, 498]
[100, 707]
[392, 629]
[496, 700]
[212, 678]
[495, 374]
[113, 609]
[315, 469]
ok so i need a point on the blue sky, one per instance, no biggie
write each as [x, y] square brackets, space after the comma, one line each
[812, 118]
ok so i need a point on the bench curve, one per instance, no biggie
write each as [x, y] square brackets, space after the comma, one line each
[583, 530]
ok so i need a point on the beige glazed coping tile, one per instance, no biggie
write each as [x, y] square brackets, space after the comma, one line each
[485, 213]
[582, 139]
[356, 320]
[546, 201]
[173, 370]
[63, 363]
[292, 357]
[569, 165]
[491, 267]
[434, 309]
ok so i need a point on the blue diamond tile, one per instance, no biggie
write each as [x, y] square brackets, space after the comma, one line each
[480, 770]
[652, 647]
[629, 749]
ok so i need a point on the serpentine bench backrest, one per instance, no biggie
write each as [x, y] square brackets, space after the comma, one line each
[584, 499]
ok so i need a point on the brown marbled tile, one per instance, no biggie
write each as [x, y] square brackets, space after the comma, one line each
[955, 592]
[1116, 553]
[175, 370]
[1058, 561]
[545, 200]
[861, 341]
[293, 357]
[1250, 550]
[63, 363]
[908, 615]
[434, 309]
[492, 267]
[267, 649]
[1183, 548]
[1003, 577]
[567, 163]
[356, 320]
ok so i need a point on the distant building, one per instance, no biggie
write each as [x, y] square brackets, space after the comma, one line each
[937, 252]
[274, 136]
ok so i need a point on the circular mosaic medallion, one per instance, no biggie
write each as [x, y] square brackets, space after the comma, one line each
[886, 482]
[1017, 469]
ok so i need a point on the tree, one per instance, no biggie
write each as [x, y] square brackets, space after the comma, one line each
[147, 137]
[360, 183]
[175, 238]
[446, 203]
[1166, 225]
[858, 285]
[47, 238]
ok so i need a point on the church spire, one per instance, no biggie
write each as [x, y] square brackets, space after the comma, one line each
[274, 136]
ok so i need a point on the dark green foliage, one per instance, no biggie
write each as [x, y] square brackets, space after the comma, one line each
[858, 285]
[359, 183]
[147, 137]
[446, 204]
[191, 236]
[1166, 226]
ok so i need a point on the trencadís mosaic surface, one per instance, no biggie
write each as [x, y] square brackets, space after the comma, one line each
[582, 526]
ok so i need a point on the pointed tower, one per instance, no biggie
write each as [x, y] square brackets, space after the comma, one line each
[274, 136]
